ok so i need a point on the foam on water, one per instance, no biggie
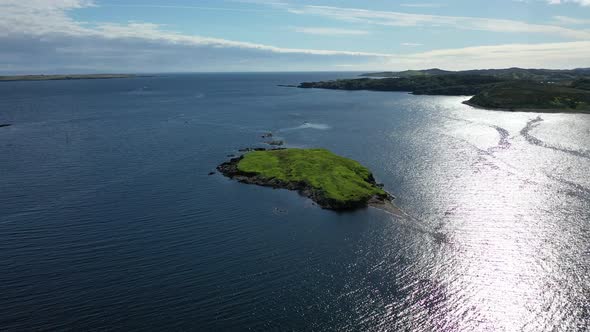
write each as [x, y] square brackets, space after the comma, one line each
[308, 125]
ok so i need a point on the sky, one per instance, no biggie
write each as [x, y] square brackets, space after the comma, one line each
[152, 36]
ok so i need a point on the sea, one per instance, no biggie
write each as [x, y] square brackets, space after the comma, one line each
[111, 221]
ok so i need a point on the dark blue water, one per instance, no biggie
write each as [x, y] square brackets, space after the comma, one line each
[110, 221]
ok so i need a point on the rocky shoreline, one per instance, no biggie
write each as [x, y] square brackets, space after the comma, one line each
[383, 202]
[513, 90]
[523, 110]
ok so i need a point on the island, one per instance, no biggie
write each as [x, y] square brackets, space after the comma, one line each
[332, 181]
[62, 77]
[513, 89]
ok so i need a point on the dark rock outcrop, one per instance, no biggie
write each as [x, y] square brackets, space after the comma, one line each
[275, 143]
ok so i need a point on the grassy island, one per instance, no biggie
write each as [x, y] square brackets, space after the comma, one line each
[332, 181]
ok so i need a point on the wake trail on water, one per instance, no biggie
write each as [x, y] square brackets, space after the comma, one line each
[407, 221]
[489, 157]
[574, 188]
[532, 124]
[504, 141]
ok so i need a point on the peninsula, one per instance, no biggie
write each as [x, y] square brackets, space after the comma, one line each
[62, 77]
[513, 89]
[332, 181]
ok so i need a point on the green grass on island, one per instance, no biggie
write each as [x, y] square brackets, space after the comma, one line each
[337, 178]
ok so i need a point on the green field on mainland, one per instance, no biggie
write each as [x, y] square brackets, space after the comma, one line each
[336, 177]
[522, 95]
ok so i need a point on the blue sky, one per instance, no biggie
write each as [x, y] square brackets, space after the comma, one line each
[290, 35]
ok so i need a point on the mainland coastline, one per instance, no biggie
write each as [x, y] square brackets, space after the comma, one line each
[513, 89]
[15, 78]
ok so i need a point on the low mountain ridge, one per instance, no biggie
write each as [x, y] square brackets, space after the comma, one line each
[539, 75]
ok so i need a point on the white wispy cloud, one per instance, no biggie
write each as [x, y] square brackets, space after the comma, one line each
[330, 31]
[49, 19]
[579, 2]
[558, 2]
[261, 2]
[571, 20]
[411, 44]
[41, 36]
[546, 55]
[422, 5]
[399, 19]
[186, 7]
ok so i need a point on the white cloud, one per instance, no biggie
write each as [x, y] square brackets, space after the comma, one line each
[571, 20]
[422, 5]
[399, 19]
[548, 55]
[411, 44]
[579, 2]
[50, 20]
[330, 31]
[37, 17]
[40, 36]
[198, 8]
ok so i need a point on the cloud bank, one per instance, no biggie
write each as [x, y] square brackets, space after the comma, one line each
[330, 31]
[579, 2]
[40, 36]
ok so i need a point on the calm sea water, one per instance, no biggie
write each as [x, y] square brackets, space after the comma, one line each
[110, 221]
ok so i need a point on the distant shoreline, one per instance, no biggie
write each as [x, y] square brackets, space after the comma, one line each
[513, 89]
[523, 110]
[16, 78]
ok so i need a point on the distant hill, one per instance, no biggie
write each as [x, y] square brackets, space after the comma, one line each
[538, 75]
[582, 83]
[409, 73]
[456, 85]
